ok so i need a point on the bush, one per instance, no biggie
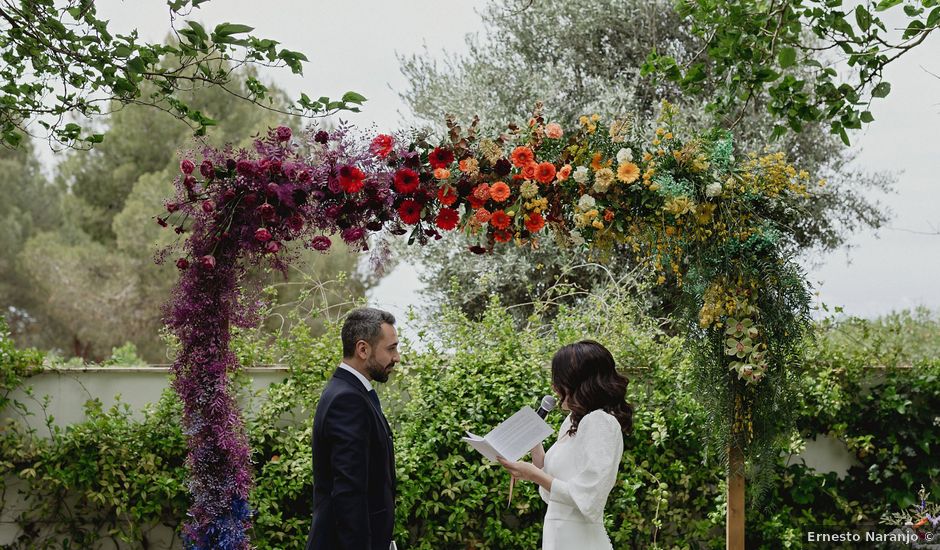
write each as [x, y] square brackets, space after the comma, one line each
[128, 474]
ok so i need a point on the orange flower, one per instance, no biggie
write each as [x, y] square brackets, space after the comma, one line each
[564, 172]
[522, 156]
[534, 222]
[441, 173]
[596, 163]
[499, 191]
[500, 220]
[608, 215]
[553, 130]
[446, 195]
[528, 172]
[545, 172]
[628, 172]
[482, 215]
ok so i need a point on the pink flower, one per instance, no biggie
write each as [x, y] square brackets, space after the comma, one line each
[353, 234]
[321, 243]
[382, 145]
[207, 261]
[187, 167]
[553, 130]
[262, 235]
[272, 247]
[208, 206]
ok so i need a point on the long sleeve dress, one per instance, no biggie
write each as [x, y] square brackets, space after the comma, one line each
[585, 469]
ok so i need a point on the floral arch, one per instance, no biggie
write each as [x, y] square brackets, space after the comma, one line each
[715, 226]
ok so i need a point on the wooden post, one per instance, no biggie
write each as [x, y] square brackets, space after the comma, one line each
[734, 533]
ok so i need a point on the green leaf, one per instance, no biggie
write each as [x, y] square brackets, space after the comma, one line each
[867, 117]
[882, 89]
[353, 97]
[228, 29]
[933, 18]
[787, 57]
[198, 29]
[887, 4]
[863, 18]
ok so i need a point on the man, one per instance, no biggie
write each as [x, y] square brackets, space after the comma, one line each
[353, 460]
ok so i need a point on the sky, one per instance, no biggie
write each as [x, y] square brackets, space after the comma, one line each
[352, 45]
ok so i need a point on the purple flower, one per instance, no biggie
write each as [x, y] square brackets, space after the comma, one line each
[321, 243]
[321, 137]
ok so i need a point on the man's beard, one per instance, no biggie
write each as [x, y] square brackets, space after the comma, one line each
[377, 371]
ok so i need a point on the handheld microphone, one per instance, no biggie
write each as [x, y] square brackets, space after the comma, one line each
[548, 403]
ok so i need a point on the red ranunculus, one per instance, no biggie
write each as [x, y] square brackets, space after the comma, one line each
[283, 133]
[321, 243]
[187, 167]
[409, 211]
[440, 157]
[206, 169]
[406, 181]
[500, 220]
[447, 219]
[351, 179]
[382, 145]
[295, 222]
[208, 206]
[266, 211]
[262, 235]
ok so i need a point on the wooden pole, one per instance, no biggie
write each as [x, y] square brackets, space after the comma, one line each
[734, 534]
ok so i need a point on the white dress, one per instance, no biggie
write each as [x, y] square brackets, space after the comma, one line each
[585, 469]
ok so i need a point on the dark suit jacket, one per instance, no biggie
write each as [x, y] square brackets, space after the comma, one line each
[353, 470]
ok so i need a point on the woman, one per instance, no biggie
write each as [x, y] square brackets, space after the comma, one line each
[579, 470]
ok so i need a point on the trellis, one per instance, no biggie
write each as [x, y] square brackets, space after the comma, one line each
[716, 227]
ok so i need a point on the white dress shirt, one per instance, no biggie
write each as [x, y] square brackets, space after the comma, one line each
[359, 375]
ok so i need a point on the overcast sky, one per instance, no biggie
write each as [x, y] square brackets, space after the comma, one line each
[352, 45]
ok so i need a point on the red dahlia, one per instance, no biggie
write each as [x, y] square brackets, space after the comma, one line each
[409, 211]
[382, 145]
[440, 158]
[406, 181]
[351, 179]
[500, 220]
[447, 219]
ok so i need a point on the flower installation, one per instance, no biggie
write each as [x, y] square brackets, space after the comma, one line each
[715, 226]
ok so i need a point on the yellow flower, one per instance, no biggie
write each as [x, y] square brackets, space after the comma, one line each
[628, 172]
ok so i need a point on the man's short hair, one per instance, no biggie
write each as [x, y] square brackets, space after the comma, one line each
[363, 324]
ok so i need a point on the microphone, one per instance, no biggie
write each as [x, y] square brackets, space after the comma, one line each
[548, 403]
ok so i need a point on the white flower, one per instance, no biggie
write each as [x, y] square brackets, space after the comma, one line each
[713, 189]
[576, 238]
[586, 203]
[624, 155]
[581, 174]
[602, 180]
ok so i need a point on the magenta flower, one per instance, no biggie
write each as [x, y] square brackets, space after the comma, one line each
[262, 235]
[321, 243]
[187, 167]
[283, 133]
[207, 261]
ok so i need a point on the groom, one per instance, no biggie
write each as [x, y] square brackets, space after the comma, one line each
[353, 460]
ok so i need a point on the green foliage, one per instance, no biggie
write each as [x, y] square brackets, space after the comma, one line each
[771, 53]
[128, 473]
[67, 53]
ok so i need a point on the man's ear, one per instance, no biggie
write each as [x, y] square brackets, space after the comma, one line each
[363, 350]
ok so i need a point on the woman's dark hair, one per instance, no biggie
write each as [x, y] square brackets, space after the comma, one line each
[585, 374]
